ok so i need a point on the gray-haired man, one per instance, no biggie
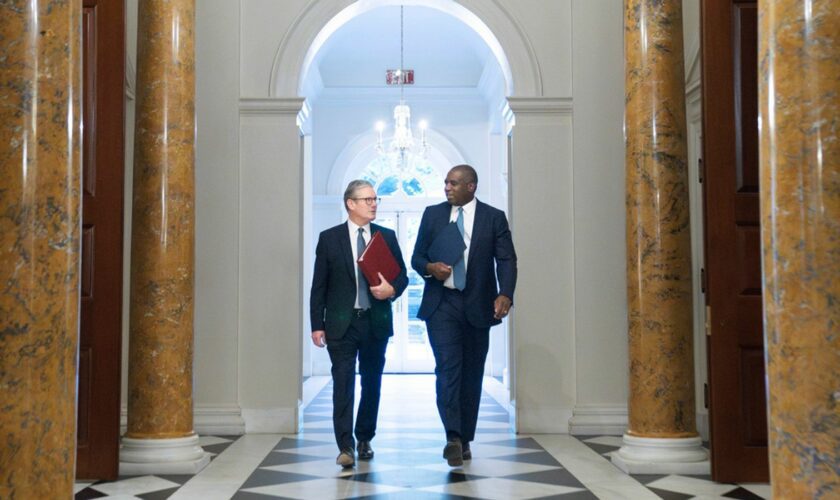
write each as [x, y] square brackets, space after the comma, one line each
[352, 319]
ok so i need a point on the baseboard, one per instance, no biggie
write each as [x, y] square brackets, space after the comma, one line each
[207, 420]
[542, 421]
[612, 420]
[270, 420]
[598, 420]
[218, 420]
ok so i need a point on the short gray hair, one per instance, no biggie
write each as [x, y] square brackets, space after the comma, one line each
[354, 186]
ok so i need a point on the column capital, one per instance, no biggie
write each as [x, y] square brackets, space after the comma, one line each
[541, 105]
[272, 105]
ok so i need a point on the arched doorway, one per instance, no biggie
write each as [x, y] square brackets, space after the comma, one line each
[463, 103]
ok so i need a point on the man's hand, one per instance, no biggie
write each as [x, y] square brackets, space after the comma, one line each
[383, 290]
[319, 338]
[501, 307]
[439, 270]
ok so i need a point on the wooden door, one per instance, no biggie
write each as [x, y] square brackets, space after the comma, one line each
[737, 398]
[97, 448]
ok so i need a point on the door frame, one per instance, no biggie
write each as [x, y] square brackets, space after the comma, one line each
[400, 341]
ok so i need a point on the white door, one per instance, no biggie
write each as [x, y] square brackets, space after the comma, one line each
[408, 350]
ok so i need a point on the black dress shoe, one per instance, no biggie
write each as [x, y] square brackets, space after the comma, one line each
[453, 453]
[465, 450]
[364, 450]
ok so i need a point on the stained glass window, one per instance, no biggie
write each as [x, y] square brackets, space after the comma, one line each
[419, 179]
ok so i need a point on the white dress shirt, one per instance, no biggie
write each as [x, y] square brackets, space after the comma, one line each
[354, 235]
[469, 220]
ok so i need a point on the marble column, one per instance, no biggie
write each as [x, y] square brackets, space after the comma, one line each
[160, 436]
[662, 435]
[799, 103]
[40, 222]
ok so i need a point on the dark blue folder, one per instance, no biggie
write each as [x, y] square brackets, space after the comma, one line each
[448, 246]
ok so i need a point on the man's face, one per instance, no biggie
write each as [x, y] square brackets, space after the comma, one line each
[358, 207]
[458, 190]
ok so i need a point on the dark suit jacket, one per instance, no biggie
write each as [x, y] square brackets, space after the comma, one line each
[333, 294]
[491, 244]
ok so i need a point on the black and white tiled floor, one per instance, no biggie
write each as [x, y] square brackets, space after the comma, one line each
[408, 462]
[674, 487]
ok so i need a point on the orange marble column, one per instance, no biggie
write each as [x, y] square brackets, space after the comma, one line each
[163, 224]
[799, 99]
[40, 220]
[659, 298]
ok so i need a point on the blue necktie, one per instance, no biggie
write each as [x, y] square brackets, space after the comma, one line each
[459, 271]
[364, 300]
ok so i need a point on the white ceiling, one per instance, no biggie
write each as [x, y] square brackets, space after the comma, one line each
[442, 51]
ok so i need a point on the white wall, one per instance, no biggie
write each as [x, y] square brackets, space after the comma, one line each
[548, 25]
[691, 36]
[263, 24]
[131, 65]
[600, 255]
[541, 213]
[217, 212]
[270, 274]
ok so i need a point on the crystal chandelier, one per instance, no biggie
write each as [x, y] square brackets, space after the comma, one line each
[402, 145]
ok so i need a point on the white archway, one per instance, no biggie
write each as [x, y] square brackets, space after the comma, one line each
[499, 30]
[522, 80]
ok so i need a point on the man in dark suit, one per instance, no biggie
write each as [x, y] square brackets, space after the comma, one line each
[353, 319]
[461, 302]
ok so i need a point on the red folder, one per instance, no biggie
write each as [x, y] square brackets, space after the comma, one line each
[377, 258]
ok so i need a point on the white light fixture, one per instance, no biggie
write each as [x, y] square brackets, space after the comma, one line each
[402, 144]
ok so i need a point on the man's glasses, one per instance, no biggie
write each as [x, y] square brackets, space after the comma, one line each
[369, 201]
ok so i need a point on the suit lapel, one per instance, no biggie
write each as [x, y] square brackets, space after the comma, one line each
[478, 221]
[347, 250]
[445, 214]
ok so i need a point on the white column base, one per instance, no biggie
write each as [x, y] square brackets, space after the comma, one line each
[641, 455]
[162, 456]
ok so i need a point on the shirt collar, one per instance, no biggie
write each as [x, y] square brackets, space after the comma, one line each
[469, 208]
[354, 229]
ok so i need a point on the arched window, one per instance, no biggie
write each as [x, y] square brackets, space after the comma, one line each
[419, 178]
[422, 178]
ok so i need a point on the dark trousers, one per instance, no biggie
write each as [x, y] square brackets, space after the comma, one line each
[460, 350]
[360, 342]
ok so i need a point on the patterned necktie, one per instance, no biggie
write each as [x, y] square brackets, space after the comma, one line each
[459, 271]
[362, 291]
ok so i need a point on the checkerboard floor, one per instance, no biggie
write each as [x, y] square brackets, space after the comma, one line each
[408, 462]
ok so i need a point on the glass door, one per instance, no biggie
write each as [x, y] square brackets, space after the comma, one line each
[408, 350]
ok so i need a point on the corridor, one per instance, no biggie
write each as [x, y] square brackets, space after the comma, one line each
[408, 463]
